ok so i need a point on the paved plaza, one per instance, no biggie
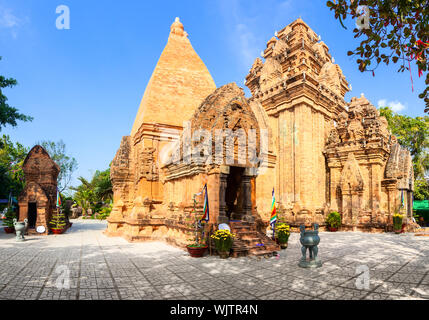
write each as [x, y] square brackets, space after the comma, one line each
[99, 267]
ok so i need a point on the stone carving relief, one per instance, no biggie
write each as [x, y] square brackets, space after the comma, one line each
[320, 49]
[331, 76]
[271, 73]
[351, 177]
[360, 124]
[148, 167]
[280, 50]
[121, 162]
[257, 66]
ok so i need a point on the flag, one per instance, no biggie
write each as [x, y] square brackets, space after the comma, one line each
[402, 198]
[58, 199]
[206, 205]
[273, 218]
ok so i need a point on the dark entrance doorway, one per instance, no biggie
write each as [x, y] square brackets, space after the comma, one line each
[234, 193]
[32, 215]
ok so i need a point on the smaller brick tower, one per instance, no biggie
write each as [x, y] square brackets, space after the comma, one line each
[38, 199]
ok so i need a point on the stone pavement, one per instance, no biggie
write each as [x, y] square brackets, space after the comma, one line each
[99, 267]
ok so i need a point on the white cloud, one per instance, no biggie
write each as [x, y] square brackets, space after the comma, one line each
[7, 19]
[11, 22]
[245, 20]
[247, 44]
[394, 105]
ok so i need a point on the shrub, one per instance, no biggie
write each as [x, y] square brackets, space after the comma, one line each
[8, 217]
[334, 220]
[283, 232]
[104, 213]
[58, 220]
[223, 240]
[397, 221]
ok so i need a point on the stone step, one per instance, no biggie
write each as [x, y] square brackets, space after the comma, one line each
[247, 238]
[259, 253]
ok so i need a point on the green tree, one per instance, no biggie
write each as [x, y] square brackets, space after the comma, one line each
[8, 114]
[97, 190]
[68, 165]
[421, 189]
[413, 134]
[397, 30]
[12, 157]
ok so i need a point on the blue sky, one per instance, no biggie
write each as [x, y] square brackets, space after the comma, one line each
[84, 85]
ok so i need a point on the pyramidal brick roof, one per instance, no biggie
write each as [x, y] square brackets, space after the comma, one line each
[179, 83]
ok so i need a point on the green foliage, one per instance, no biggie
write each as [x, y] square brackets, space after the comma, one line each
[413, 134]
[58, 220]
[12, 157]
[8, 218]
[395, 26]
[93, 194]
[334, 220]
[223, 240]
[397, 221]
[282, 232]
[104, 212]
[421, 189]
[64, 207]
[68, 165]
[8, 114]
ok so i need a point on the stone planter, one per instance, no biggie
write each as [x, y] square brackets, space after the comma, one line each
[196, 252]
[20, 229]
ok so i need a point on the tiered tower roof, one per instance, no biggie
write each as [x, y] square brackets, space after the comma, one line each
[178, 84]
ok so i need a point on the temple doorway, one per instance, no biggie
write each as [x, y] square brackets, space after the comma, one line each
[32, 215]
[234, 193]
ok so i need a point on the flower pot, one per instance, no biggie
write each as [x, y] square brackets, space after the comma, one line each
[332, 229]
[57, 231]
[398, 231]
[283, 245]
[9, 229]
[196, 252]
[223, 254]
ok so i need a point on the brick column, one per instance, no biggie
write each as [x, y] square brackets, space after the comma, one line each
[222, 218]
[247, 199]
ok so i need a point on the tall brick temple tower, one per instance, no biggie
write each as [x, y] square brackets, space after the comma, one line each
[302, 91]
[322, 154]
[179, 83]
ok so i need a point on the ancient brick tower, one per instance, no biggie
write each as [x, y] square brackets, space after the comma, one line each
[322, 154]
[327, 154]
[302, 91]
[37, 201]
[178, 84]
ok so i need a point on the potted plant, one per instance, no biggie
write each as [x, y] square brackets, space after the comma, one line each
[197, 248]
[333, 221]
[397, 222]
[223, 242]
[58, 222]
[7, 220]
[283, 233]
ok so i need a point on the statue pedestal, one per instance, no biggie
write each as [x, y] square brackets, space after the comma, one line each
[310, 263]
